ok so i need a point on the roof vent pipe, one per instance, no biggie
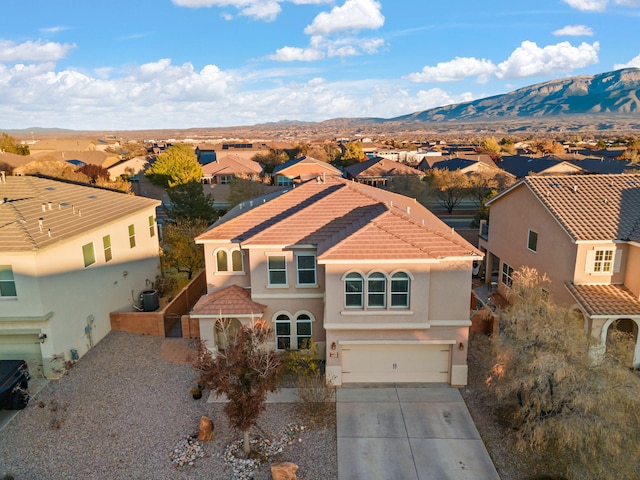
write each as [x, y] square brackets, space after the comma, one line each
[44, 207]
[50, 205]
[49, 232]
[575, 189]
[41, 224]
[408, 210]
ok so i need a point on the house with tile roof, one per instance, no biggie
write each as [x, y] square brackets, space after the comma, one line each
[225, 166]
[379, 171]
[583, 232]
[522, 165]
[380, 284]
[69, 255]
[301, 169]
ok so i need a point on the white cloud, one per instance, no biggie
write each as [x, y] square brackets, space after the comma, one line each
[293, 54]
[588, 5]
[529, 60]
[456, 69]
[574, 31]
[354, 15]
[599, 5]
[266, 10]
[53, 29]
[33, 51]
[633, 63]
[320, 47]
[263, 10]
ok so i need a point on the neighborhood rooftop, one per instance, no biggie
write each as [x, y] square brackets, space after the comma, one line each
[344, 220]
[37, 212]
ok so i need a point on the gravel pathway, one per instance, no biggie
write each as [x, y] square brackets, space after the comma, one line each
[121, 410]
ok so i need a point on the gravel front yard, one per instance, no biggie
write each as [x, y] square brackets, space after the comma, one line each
[121, 410]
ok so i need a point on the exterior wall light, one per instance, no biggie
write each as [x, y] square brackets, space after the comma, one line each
[333, 345]
[461, 346]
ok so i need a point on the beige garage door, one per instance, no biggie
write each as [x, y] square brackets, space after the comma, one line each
[395, 363]
[22, 347]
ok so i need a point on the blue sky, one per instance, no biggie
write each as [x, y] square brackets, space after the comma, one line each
[148, 64]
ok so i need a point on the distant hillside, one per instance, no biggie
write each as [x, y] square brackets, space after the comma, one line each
[608, 93]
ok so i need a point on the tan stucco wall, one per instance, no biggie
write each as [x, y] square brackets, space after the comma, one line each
[582, 277]
[511, 218]
[632, 269]
[55, 280]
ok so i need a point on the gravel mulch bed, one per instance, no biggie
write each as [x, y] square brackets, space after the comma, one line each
[121, 410]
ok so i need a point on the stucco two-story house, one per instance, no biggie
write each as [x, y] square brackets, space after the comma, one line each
[379, 283]
[69, 255]
[301, 169]
[583, 232]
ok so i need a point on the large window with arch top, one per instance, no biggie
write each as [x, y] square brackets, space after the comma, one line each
[400, 290]
[222, 260]
[377, 290]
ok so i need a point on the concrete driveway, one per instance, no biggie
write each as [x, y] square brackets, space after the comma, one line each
[408, 433]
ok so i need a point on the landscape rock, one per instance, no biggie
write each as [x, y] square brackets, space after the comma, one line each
[205, 429]
[283, 471]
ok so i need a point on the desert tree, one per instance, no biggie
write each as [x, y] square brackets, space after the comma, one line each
[581, 409]
[189, 201]
[177, 165]
[245, 370]
[9, 144]
[242, 188]
[179, 249]
[448, 187]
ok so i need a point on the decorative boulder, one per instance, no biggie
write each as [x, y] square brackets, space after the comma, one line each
[283, 471]
[205, 430]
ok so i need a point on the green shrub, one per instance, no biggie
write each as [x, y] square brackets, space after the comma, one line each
[302, 362]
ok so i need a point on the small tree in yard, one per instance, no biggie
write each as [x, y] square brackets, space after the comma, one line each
[180, 250]
[245, 372]
[584, 411]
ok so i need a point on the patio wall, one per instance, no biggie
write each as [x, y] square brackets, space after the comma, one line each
[161, 322]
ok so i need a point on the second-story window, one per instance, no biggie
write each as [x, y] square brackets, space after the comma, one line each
[376, 290]
[236, 261]
[88, 254]
[532, 241]
[353, 290]
[7, 282]
[221, 260]
[400, 289]
[277, 270]
[132, 235]
[306, 263]
[106, 245]
[152, 226]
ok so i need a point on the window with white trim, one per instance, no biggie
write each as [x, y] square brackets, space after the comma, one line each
[303, 331]
[306, 266]
[88, 254]
[7, 282]
[152, 226]
[132, 235]
[603, 261]
[106, 245]
[277, 270]
[284, 181]
[283, 332]
[532, 241]
[225, 179]
[507, 275]
[376, 290]
[236, 261]
[400, 290]
[221, 261]
[353, 290]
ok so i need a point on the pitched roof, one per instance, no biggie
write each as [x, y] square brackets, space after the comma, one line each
[522, 165]
[606, 165]
[233, 301]
[380, 167]
[605, 300]
[231, 164]
[590, 207]
[345, 220]
[308, 166]
[67, 210]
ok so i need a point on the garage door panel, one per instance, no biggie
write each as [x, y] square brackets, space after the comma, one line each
[22, 347]
[395, 363]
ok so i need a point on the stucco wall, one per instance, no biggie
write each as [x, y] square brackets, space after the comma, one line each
[632, 270]
[511, 218]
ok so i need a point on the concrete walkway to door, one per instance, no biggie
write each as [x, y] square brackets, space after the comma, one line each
[408, 433]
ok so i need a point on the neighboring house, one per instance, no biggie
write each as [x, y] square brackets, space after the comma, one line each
[583, 232]
[205, 154]
[69, 255]
[379, 283]
[521, 165]
[606, 165]
[465, 165]
[302, 169]
[378, 171]
[132, 168]
[222, 169]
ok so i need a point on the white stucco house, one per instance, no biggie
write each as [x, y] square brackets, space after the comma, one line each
[69, 255]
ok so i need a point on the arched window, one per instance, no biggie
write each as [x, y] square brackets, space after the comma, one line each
[283, 332]
[353, 290]
[303, 331]
[400, 289]
[221, 260]
[236, 261]
[376, 290]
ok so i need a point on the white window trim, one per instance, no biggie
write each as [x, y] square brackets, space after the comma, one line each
[291, 323]
[385, 293]
[509, 276]
[286, 276]
[109, 248]
[408, 294]
[13, 280]
[229, 261]
[616, 261]
[310, 321]
[364, 307]
[315, 270]
[363, 278]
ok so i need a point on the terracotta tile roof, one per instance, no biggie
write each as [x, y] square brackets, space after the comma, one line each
[306, 166]
[345, 220]
[231, 164]
[605, 300]
[233, 301]
[69, 210]
[380, 167]
[592, 207]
